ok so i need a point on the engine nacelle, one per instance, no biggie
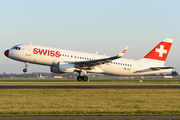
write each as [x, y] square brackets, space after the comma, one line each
[63, 67]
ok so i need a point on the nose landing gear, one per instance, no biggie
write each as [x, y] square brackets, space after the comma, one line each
[25, 69]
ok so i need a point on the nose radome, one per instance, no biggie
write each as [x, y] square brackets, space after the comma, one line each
[6, 53]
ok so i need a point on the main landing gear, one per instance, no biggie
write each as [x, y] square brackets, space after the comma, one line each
[25, 69]
[84, 78]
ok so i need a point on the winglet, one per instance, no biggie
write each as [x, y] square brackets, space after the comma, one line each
[122, 52]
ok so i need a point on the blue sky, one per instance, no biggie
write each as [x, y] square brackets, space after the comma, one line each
[106, 26]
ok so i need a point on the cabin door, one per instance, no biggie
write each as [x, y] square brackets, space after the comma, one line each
[28, 50]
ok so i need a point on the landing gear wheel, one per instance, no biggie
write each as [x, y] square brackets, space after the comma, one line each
[24, 70]
[79, 78]
[85, 78]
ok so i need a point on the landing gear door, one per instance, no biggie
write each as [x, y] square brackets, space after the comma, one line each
[28, 50]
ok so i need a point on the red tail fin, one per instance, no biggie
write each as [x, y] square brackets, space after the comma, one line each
[160, 52]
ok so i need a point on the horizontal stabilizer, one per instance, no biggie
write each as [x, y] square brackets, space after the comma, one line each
[159, 68]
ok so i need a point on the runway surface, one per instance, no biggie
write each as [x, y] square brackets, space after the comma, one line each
[90, 87]
[89, 117]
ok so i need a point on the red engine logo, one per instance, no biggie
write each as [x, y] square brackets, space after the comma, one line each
[51, 53]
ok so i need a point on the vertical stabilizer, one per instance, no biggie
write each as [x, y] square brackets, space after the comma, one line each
[160, 52]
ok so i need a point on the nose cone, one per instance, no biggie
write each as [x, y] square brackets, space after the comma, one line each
[6, 53]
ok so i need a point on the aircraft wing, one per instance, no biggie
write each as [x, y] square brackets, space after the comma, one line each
[92, 63]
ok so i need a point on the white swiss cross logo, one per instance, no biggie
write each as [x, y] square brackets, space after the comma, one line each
[161, 51]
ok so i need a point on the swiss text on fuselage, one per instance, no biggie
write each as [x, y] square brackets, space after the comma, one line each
[45, 52]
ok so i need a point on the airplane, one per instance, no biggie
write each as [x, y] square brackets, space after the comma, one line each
[67, 61]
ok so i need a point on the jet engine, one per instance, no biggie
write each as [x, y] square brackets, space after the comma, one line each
[63, 67]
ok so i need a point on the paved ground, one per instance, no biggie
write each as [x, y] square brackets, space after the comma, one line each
[91, 87]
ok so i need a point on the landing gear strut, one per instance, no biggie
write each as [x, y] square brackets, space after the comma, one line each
[25, 69]
[84, 78]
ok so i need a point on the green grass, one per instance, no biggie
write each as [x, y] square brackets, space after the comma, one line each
[61, 102]
[91, 80]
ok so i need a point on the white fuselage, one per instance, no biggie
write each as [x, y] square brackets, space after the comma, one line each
[49, 57]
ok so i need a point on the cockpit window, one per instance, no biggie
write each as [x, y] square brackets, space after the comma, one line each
[17, 48]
